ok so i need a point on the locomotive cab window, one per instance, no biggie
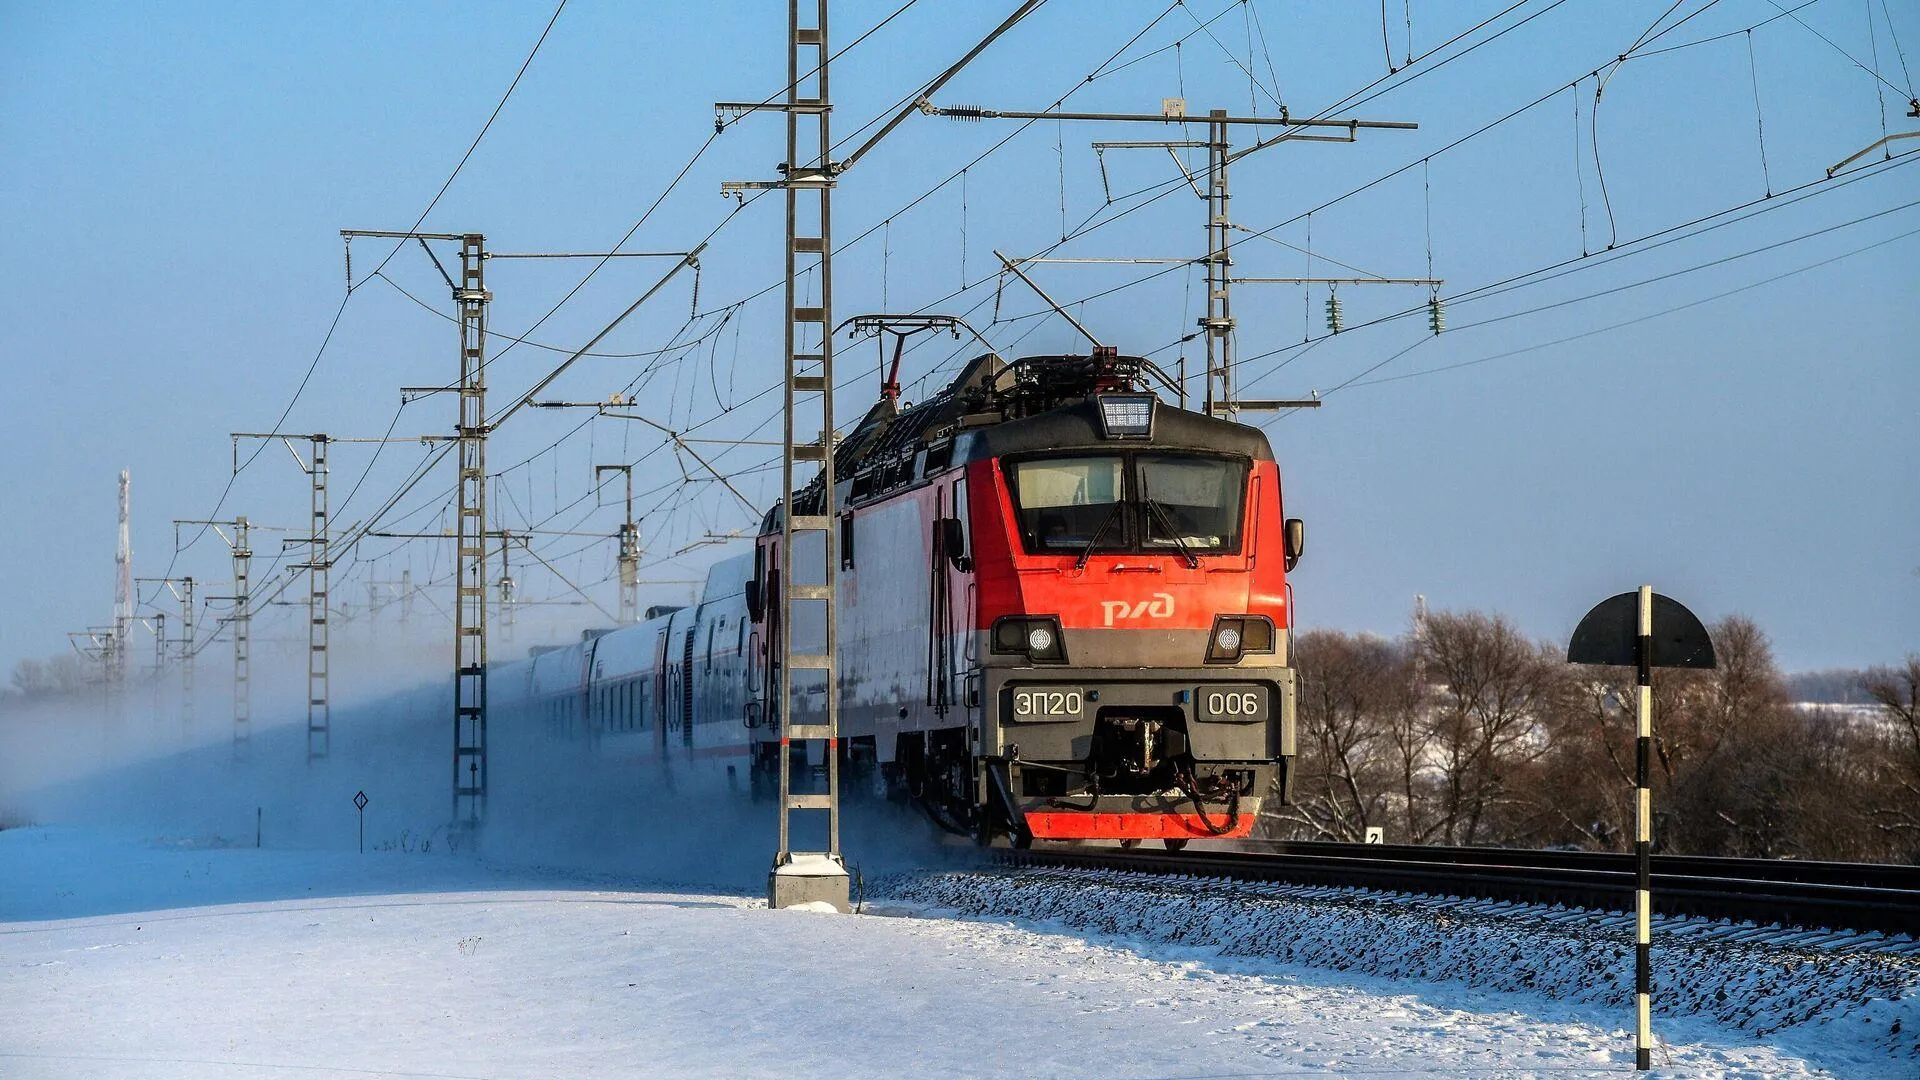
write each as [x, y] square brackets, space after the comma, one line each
[1190, 504]
[1069, 503]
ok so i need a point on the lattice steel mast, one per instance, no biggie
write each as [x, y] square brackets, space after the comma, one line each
[809, 177]
[808, 381]
[470, 543]
[629, 558]
[122, 590]
[319, 566]
[471, 297]
[242, 642]
[319, 628]
[186, 652]
[182, 591]
[242, 623]
[1217, 324]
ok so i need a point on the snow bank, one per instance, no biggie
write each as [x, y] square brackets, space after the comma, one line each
[298, 963]
[1851, 998]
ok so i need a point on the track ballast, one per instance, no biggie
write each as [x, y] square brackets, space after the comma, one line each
[1849, 896]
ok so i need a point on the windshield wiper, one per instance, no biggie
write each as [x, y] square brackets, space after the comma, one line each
[1087, 552]
[1173, 531]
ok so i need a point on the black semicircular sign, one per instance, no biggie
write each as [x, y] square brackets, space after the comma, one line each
[1607, 634]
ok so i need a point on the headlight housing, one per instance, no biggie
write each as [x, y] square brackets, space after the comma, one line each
[1234, 636]
[1037, 637]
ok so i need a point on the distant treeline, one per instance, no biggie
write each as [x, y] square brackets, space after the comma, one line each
[1832, 686]
[66, 673]
[1465, 732]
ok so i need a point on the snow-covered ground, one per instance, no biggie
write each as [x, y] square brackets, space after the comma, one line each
[126, 954]
[609, 923]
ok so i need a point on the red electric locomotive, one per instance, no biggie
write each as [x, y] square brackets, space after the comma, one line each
[1062, 612]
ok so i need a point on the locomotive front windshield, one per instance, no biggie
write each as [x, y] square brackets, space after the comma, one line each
[1146, 502]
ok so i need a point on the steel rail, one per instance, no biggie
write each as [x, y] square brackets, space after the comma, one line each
[1841, 896]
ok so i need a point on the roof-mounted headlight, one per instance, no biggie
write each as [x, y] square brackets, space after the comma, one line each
[1126, 416]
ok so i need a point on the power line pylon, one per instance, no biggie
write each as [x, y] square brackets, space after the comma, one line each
[319, 566]
[470, 542]
[1217, 325]
[186, 652]
[1218, 322]
[181, 589]
[241, 622]
[814, 876]
[96, 643]
[242, 642]
[319, 588]
[471, 297]
[122, 590]
[158, 624]
[384, 593]
[508, 588]
[808, 382]
[629, 557]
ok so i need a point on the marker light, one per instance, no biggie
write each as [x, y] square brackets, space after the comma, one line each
[1236, 635]
[1228, 639]
[1039, 639]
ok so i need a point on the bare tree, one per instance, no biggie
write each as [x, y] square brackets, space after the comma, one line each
[1350, 688]
[1493, 688]
[1895, 784]
[1474, 735]
[67, 673]
[1897, 692]
[1581, 791]
[31, 678]
[1729, 750]
[1410, 737]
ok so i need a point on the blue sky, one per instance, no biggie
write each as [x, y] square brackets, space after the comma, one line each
[175, 178]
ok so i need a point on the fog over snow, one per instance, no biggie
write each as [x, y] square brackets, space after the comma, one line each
[609, 923]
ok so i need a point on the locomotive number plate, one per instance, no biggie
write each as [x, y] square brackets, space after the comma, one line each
[1041, 704]
[1231, 703]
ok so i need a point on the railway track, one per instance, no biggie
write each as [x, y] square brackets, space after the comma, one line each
[1840, 896]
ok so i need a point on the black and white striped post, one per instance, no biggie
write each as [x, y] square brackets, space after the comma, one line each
[1643, 836]
[1643, 630]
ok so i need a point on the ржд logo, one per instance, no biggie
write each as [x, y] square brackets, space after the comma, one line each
[1160, 607]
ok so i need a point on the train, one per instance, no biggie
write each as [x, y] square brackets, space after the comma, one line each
[1062, 614]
